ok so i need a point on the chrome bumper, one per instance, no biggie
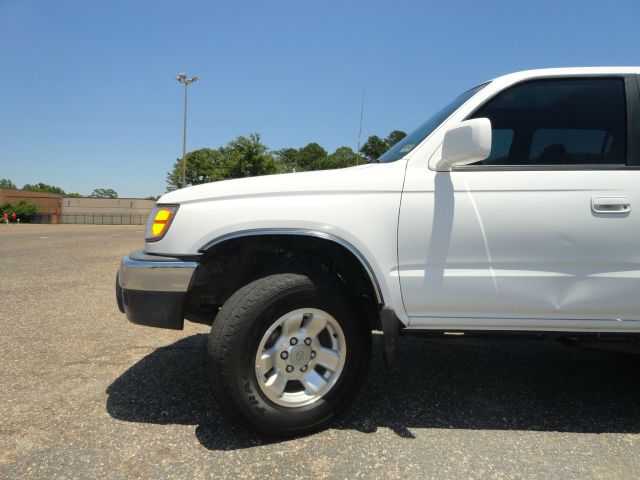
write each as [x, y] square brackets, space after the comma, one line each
[156, 276]
[153, 290]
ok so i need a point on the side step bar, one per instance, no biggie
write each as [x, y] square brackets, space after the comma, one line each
[393, 328]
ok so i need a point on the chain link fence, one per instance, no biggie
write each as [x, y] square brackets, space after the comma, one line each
[91, 218]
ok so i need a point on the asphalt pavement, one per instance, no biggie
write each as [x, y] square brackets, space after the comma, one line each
[85, 394]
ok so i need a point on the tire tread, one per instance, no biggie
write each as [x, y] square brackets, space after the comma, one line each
[229, 320]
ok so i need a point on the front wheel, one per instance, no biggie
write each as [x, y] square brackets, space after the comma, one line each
[287, 354]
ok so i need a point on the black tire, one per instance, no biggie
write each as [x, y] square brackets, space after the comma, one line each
[235, 337]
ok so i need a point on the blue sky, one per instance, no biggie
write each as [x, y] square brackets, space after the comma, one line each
[88, 97]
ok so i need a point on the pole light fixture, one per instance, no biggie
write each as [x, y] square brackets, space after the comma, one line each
[182, 78]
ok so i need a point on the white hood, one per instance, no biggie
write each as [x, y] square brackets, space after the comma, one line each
[368, 177]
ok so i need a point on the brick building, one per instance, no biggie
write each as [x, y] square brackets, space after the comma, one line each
[54, 208]
[48, 203]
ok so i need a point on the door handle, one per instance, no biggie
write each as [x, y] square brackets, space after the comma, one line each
[611, 204]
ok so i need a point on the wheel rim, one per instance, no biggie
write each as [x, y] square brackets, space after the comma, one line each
[300, 357]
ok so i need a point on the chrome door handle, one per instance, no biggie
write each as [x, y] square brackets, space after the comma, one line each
[611, 204]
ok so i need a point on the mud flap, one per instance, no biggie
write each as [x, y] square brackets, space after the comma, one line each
[391, 332]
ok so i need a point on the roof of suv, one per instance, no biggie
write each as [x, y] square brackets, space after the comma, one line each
[547, 72]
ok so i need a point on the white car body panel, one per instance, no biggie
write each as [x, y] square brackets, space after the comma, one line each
[358, 205]
[471, 245]
[453, 250]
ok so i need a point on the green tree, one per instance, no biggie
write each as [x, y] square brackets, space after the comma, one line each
[104, 193]
[301, 159]
[203, 166]
[22, 209]
[73, 195]
[242, 157]
[43, 187]
[309, 156]
[288, 159]
[341, 158]
[394, 137]
[373, 148]
[248, 157]
[6, 183]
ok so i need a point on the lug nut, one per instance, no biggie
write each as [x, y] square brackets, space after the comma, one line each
[303, 368]
[313, 354]
[289, 368]
[284, 355]
[293, 341]
[307, 341]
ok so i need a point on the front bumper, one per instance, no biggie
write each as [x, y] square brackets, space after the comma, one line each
[151, 289]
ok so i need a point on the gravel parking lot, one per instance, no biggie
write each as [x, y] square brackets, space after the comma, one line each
[85, 394]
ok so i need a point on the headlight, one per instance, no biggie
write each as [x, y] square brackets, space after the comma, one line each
[159, 221]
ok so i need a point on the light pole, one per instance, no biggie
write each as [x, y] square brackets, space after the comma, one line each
[182, 78]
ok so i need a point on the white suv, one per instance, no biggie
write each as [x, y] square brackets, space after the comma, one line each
[508, 210]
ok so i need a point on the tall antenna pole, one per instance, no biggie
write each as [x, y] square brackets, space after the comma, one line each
[361, 115]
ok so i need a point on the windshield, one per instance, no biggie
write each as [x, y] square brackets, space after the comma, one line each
[412, 140]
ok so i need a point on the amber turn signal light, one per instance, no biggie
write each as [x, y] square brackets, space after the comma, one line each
[159, 221]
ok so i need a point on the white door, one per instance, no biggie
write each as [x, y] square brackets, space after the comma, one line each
[542, 234]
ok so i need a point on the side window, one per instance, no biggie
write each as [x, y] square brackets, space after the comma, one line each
[558, 122]
[501, 140]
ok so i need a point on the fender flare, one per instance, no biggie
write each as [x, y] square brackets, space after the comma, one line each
[304, 233]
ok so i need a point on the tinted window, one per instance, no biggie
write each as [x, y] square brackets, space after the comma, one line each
[558, 122]
[501, 139]
[412, 140]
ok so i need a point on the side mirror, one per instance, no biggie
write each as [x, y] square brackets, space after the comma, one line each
[467, 142]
